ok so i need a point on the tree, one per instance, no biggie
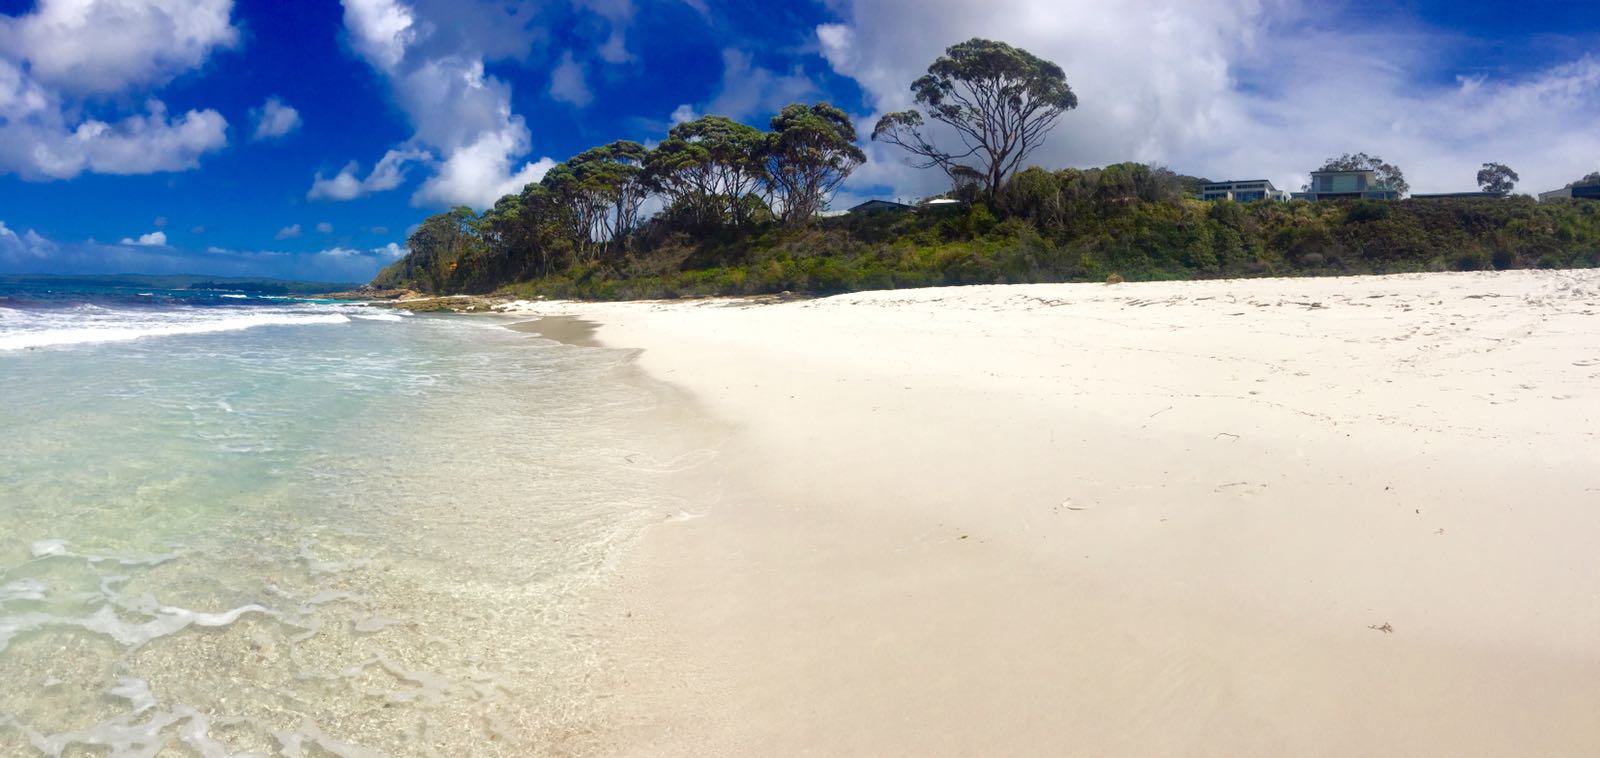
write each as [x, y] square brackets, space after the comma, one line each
[1593, 178]
[438, 247]
[707, 166]
[611, 177]
[810, 152]
[999, 100]
[1388, 176]
[1497, 178]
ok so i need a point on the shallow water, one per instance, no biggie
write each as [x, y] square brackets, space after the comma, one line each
[337, 531]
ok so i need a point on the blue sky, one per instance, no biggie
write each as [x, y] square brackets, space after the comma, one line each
[303, 139]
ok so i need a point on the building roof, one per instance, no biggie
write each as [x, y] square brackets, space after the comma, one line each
[1352, 171]
[880, 205]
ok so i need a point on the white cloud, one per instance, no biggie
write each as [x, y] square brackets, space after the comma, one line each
[1231, 90]
[462, 117]
[68, 55]
[568, 82]
[346, 185]
[480, 174]
[749, 90]
[380, 30]
[156, 238]
[683, 113]
[161, 221]
[324, 227]
[106, 46]
[288, 233]
[274, 119]
[24, 250]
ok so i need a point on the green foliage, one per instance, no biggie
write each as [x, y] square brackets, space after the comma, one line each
[809, 153]
[1592, 178]
[1000, 101]
[1388, 176]
[1497, 178]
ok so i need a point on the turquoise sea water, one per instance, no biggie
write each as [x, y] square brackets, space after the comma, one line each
[310, 528]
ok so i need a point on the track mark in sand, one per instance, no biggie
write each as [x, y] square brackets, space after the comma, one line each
[1386, 628]
[1242, 488]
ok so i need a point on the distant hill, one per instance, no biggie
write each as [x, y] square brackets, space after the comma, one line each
[252, 285]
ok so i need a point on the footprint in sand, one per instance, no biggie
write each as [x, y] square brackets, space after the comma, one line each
[1242, 488]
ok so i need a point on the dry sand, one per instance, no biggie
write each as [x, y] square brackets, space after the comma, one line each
[1355, 516]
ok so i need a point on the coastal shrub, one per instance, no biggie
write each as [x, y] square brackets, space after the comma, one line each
[1068, 225]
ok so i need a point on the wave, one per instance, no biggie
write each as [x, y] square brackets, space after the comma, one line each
[123, 332]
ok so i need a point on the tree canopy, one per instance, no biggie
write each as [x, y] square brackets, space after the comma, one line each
[1000, 102]
[1388, 176]
[1593, 178]
[810, 152]
[1497, 178]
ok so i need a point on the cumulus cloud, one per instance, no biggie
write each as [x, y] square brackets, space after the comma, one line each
[67, 55]
[683, 113]
[107, 46]
[274, 119]
[324, 227]
[1229, 90]
[462, 117]
[747, 89]
[156, 238]
[568, 83]
[480, 174]
[347, 185]
[21, 252]
[288, 233]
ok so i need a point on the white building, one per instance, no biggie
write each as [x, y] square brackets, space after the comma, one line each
[1243, 191]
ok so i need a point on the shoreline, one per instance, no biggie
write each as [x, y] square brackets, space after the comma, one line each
[1246, 517]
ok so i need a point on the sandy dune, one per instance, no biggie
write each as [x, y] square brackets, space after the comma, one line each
[1355, 516]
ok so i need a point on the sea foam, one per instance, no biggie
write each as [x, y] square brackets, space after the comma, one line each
[132, 330]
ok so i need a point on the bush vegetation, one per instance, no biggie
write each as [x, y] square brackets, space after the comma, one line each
[1068, 225]
[740, 211]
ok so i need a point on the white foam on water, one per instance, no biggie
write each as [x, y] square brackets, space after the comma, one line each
[45, 548]
[378, 316]
[131, 733]
[133, 330]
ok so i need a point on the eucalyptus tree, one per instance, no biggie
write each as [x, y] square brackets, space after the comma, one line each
[1497, 178]
[1000, 102]
[810, 152]
[1593, 178]
[707, 167]
[583, 204]
[1387, 175]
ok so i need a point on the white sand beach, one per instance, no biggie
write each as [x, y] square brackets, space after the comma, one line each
[1313, 517]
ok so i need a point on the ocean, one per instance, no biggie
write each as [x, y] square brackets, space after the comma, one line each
[235, 525]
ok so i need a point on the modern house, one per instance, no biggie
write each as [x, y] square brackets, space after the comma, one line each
[1346, 185]
[1580, 192]
[1242, 191]
[881, 206]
